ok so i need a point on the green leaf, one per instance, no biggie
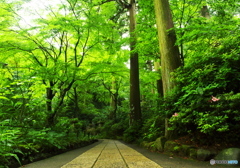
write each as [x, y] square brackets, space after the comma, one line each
[2, 97]
[13, 155]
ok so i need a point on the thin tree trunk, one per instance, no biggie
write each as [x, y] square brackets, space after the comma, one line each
[205, 12]
[63, 92]
[113, 100]
[135, 109]
[49, 95]
[159, 81]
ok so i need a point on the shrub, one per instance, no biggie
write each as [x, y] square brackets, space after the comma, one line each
[207, 97]
[153, 128]
[132, 134]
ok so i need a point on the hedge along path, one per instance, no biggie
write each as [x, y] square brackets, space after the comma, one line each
[111, 154]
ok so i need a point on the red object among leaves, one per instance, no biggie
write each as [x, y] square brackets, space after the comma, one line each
[175, 115]
[213, 99]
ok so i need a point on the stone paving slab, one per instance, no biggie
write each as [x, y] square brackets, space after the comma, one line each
[119, 163]
[111, 154]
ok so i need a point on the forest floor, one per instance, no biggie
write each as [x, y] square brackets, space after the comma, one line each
[162, 160]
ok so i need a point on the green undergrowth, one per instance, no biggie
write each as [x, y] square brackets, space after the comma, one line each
[19, 146]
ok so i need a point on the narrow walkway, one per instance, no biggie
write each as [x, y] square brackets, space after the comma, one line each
[111, 154]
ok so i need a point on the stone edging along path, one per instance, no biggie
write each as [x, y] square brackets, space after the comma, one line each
[163, 145]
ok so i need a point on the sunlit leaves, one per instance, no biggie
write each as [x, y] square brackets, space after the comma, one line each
[6, 16]
[185, 11]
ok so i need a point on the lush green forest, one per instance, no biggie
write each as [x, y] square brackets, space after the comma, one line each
[76, 70]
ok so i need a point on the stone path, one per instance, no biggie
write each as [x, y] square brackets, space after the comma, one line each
[111, 154]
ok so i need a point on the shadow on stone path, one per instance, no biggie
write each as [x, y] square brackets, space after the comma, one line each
[116, 154]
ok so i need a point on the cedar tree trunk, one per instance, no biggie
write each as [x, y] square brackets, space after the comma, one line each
[170, 57]
[135, 109]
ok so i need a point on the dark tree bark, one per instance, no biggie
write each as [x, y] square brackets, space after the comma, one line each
[63, 92]
[205, 12]
[135, 109]
[49, 96]
[159, 81]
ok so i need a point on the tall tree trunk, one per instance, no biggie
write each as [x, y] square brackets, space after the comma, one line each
[135, 109]
[170, 56]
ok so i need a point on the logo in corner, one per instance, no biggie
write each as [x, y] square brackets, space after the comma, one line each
[212, 161]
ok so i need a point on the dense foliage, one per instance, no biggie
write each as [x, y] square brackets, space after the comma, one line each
[207, 95]
[65, 75]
